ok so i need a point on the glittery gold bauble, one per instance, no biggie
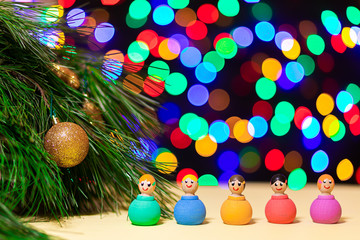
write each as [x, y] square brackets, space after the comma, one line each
[67, 75]
[67, 143]
[92, 111]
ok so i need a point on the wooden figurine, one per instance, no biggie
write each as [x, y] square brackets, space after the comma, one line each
[145, 210]
[325, 209]
[189, 210]
[236, 210]
[280, 208]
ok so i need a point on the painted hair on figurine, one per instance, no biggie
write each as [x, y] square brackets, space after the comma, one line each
[149, 178]
[191, 176]
[322, 178]
[239, 178]
[278, 177]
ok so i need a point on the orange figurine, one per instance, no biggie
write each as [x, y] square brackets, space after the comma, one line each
[280, 208]
[236, 210]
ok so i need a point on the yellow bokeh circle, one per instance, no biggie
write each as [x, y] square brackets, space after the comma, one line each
[166, 162]
[330, 125]
[346, 36]
[324, 104]
[241, 132]
[169, 49]
[294, 52]
[271, 69]
[345, 170]
[205, 147]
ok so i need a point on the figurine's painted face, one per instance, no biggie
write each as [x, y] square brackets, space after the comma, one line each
[279, 187]
[236, 187]
[190, 186]
[146, 187]
[327, 185]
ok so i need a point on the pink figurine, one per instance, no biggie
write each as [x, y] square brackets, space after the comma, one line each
[280, 208]
[325, 209]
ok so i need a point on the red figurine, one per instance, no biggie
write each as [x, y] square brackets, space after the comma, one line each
[280, 208]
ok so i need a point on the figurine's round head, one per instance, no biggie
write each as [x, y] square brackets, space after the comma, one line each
[147, 184]
[326, 183]
[278, 183]
[237, 184]
[189, 184]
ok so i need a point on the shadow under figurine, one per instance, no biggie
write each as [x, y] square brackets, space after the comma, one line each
[236, 210]
[325, 209]
[145, 210]
[189, 210]
[280, 208]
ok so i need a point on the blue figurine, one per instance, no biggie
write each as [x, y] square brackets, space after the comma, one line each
[189, 210]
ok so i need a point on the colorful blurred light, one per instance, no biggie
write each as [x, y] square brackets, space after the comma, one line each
[183, 172]
[196, 30]
[308, 64]
[294, 71]
[138, 51]
[271, 69]
[228, 161]
[242, 36]
[344, 101]
[214, 58]
[249, 159]
[297, 179]
[175, 83]
[315, 44]
[262, 12]
[219, 99]
[258, 127]
[208, 180]
[139, 9]
[179, 139]
[190, 57]
[265, 31]
[241, 132]
[219, 131]
[331, 22]
[205, 72]
[265, 88]
[229, 8]
[163, 15]
[159, 70]
[226, 48]
[274, 160]
[319, 161]
[198, 95]
[293, 160]
[205, 147]
[208, 13]
[344, 170]
[169, 113]
[75, 17]
[310, 127]
[178, 4]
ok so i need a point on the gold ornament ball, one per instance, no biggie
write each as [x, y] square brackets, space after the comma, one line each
[67, 143]
[67, 75]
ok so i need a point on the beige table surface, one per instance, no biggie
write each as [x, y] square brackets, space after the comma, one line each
[116, 226]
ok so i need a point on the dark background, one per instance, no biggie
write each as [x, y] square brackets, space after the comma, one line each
[292, 12]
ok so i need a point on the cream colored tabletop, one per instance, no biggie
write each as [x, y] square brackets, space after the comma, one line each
[116, 226]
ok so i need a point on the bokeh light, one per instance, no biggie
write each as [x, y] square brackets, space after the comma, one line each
[138, 51]
[214, 58]
[354, 90]
[344, 101]
[353, 14]
[294, 71]
[271, 69]
[310, 127]
[190, 57]
[330, 125]
[159, 70]
[262, 12]
[265, 31]
[198, 95]
[274, 160]
[242, 36]
[139, 9]
[300, 114]
[205, 147]
[205, 72]
[284, 112]
[331, 22]
[75, 17]
[258, 127]
[169, 49]
[163, 15]
[263, 109]
[229, 8]
[315, 44]
[184, 17]
[179, 139]
[249, 159]
[345, 170]
[325, 104]
[196, 30]
[297, 179]
[293, 160]
[279, 127]
[178, 4]
[241, 132]
[319, 161]
[265, 88]
[208, 13]
[219, 131]
[226, 48]
[175, 83]
[219, 99]
[231, 121]
[166, 162]
[312, 143]
[307, 63]
[228, 161]
[208, 180]
[169, 113]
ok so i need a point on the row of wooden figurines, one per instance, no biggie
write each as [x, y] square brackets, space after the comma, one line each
[236, 210]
